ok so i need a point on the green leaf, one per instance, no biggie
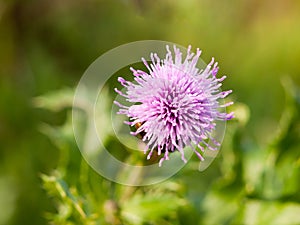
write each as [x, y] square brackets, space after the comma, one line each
[69, 203]
[273, 213]
[220, 206]
[150, 207]
[56, 100]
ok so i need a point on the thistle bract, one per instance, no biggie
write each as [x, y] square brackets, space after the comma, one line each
[175, 104]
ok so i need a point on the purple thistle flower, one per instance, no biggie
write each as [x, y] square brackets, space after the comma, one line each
[177, 105]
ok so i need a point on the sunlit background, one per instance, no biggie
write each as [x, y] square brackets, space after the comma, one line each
[45, 47]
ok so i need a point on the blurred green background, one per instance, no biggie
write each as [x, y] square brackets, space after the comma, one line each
[45, 47]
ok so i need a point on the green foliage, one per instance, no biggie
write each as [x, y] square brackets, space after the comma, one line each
[47, 45]
[80, 203]
[248, 184]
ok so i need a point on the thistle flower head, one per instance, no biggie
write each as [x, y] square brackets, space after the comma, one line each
[175, 104]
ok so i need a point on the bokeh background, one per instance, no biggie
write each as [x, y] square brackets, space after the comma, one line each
[45, 47]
